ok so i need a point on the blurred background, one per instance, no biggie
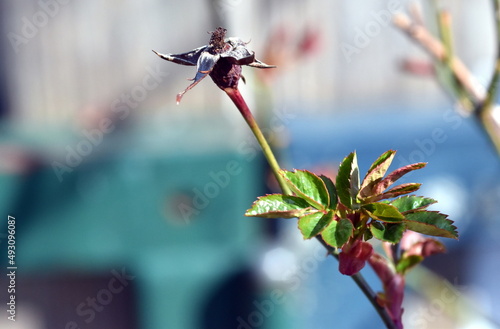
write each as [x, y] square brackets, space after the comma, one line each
[129, 208]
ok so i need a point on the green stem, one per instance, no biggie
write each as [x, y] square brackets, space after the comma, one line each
[242, 106]
[240, 103]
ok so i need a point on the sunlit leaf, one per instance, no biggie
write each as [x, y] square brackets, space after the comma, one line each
[383, 212]
[338, 232]
[312, 224]
[431, 223]
[347, 181]
[376, 172]
[412, 203]
[307, 186]
[278, 206]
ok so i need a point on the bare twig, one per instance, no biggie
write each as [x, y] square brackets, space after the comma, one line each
[365, 288]
[482, 100]
[484, 111]
[424, 38]
[493, 87]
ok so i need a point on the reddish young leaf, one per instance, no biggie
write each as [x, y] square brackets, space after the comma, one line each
[396, 191]
[376, 172]
[394, 286]
[414, 243]
[353, 257]
[395, 175]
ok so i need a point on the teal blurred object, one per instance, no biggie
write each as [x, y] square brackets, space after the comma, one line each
[123, 209]
[125, 212]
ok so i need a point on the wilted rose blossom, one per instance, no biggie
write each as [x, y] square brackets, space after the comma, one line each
[221, 59]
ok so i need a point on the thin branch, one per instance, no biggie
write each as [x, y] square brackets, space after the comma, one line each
[364, 287]
[482, 99]
[484, 110]
[433, 46]
[493, 87]
[416, 13]
[446, 36]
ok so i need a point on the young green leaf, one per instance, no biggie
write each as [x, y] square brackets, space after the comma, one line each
[406, 263]
[278, 206]
[347, 181]
[338, 232]
[431, 223]
[312, 224]
[411, 203]
[395, 175]
[387, 232]
[332, 191]
[376, 172]
[383, 212]
[307, 186]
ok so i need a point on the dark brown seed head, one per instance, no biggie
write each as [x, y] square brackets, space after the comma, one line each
[217, 40]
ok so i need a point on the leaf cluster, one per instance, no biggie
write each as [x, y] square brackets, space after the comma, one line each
[349, 208]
